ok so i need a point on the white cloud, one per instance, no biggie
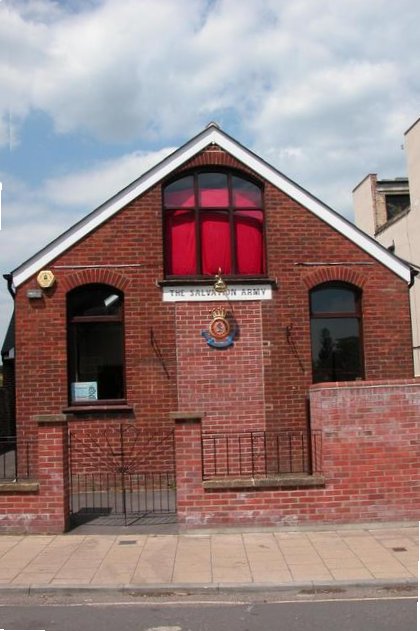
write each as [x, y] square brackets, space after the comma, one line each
[91, 187]
[33, 217]
[324, 90]
[156, 68]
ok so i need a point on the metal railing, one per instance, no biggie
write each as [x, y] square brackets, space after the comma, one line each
[15, 458]
[122, 493]
[260, 453]
[121, 470]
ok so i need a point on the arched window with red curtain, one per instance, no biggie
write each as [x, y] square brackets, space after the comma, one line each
[213, 220]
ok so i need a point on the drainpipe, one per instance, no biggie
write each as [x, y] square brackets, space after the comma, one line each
[9, 279]
[414, 273]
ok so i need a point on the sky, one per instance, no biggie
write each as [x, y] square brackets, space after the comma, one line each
[94, 92]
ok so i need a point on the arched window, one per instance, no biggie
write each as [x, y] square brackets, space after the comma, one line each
[95, 344]
[213, 220]
[336, 332]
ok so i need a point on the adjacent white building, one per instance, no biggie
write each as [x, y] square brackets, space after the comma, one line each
[389, 210]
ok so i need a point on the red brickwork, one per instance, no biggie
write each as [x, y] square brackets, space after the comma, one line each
[227, 384]
[109, 447]
[371, 464]
[208, 378]
[45, 510]
[262, 381]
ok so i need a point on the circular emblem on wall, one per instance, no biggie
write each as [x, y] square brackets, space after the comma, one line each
[219, 327]
[219, 334]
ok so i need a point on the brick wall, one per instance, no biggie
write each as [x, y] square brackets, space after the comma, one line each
[107, 447]
[370, 462]
[262, 381]
[40, 505]
[227, 384]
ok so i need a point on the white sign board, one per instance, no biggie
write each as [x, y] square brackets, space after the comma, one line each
[187, 293]
[84, 391]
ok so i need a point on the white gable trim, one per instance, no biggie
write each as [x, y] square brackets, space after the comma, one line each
[211, 135]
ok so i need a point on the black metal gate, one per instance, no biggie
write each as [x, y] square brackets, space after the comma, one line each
[121, 473]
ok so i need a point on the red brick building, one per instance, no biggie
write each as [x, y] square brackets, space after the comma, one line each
[211, 291]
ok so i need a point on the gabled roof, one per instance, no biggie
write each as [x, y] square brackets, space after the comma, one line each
[212, 134]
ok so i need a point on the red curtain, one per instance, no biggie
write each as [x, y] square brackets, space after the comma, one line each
[247, 199]
[179, 199]
[215, 243]
[180, 236]
[180, 246]
[249, 242]
[214, 197]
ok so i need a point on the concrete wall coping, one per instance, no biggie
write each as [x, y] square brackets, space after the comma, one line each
[26, 486]
[358, 385]
[273, 481]
[189, 417]
[51, 419]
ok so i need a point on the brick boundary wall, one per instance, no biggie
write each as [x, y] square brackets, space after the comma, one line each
[370, 467]
[42, 505]
[370, 464]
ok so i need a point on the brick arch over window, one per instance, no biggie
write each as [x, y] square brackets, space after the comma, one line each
[215, 156]
[100, 276]
[335, 274]
[336, 331]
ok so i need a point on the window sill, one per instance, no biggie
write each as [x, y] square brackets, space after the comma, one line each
[285, 481]
[209, 280]
[94, 408]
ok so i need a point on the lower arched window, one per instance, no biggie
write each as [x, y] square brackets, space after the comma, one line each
[336, 332]
[95, 344]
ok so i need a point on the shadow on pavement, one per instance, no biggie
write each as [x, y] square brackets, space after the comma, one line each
[110, 524]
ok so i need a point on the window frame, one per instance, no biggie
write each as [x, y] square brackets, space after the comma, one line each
[72, 351]
[401, 212]
[198, 211]
[357, 314]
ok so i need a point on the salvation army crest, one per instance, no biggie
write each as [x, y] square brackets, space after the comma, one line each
[220, 333]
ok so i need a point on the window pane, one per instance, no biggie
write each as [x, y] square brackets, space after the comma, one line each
[180, 246]
[224, 222]
[97, 350]
[396, 204]
[213, 190]
[249, 242]
[94, 300]
[180, 194]
[215, 243]
[333, 300]
[336, 352]
[245, 193]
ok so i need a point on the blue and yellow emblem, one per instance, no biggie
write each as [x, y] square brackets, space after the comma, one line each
[220, 333]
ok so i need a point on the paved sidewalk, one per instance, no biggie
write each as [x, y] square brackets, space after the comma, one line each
[267, 559]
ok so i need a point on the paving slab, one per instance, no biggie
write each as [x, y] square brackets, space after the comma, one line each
[156, 561]
[193, 560]
[211, 560]
[229, 559]
[266, 561]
